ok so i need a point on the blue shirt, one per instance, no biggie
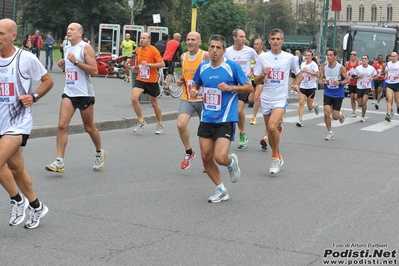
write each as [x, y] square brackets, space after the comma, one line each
[218, 106]
[49, 43]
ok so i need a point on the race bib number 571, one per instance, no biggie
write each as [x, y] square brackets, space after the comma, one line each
[7, 93]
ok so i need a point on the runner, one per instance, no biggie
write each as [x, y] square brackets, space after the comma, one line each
[392, 90]
[379, 65]
[350, 66]
[308, 86]
[243, 55]
[220, 78]
[364, 74]
[274, 68]
[333, 77]
[188, 105]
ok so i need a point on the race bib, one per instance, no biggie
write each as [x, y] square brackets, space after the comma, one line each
[276, 75]
[365, 83]
[330, 83]
[7, 93]
[391, 78]
[144, 72]
[71, 76]
[245, 65]
[307, 78]
[212, 99]
[190, 85]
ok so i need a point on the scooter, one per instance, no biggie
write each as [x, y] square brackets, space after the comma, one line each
[110, 64]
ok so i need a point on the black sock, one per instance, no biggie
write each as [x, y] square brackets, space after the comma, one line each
[190, 151]
[17, 198]
[35, 204]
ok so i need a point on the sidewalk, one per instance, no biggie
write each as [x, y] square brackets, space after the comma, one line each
[113, 108]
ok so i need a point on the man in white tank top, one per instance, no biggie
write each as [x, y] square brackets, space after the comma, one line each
[79, 64]
[17, 70]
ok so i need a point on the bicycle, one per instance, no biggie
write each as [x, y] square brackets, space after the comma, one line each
[174, 90]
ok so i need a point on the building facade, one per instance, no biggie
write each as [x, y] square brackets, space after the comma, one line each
[6, 8]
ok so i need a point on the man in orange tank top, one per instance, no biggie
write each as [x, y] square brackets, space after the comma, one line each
[188, 106]
[350, 68]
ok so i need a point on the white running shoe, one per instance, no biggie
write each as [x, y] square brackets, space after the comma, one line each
[276, 163]
[17, 215]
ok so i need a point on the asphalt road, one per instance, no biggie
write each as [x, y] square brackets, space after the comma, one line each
[143, 210]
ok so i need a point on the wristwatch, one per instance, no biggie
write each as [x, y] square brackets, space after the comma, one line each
[35, 97]
[76, 62]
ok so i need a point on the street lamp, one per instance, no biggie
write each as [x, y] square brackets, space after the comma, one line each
[131, 4]
[264, 21]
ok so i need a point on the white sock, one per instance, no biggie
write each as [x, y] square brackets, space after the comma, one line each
[221, 187]
[61, 160]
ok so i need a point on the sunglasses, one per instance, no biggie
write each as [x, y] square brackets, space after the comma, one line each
[353, 54]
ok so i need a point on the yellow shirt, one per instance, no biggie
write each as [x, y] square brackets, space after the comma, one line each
[188, 70]
[128, 47]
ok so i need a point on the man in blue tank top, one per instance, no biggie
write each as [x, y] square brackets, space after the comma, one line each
[333, 75]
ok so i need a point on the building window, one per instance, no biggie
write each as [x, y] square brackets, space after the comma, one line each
[349, 13]
[361, 13]
[389, 12]
[374, 13]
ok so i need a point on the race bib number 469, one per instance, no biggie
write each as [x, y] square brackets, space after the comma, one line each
[7, 93]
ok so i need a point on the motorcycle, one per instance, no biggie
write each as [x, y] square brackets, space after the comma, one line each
[110, 64]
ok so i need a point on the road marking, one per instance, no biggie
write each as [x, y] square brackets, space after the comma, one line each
[381, 126]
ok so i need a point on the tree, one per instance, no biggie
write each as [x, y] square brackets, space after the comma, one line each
[55, 15]
[309, 17]
[280, 15]
[222, 17]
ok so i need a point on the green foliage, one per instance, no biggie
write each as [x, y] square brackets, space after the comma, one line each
[222, 17]
[280, 15]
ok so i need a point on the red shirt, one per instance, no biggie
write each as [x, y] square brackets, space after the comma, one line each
[172, 47]
[39, 41]
[379, 67]
[350, 69]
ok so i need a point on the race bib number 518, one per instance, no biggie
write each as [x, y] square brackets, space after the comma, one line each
[7, 93]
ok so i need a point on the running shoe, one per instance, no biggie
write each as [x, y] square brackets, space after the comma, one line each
[353, 115]
[373, 102]
[139, 127]
[310, 109]
[187, 160]
[35, 215]
[128, 80]
[316, 109]
[276, 163]
[330, 136]
[55, 166]
[125, 79]
[363, 119]
[243, 141]
[376, 106]
[299, 123]
[280, 126]
[159, 129]
[392, 113]
[397, 110]
[234, 170]
[254, 121]
[388, 118]
[264, 142]
[17, 215]
[166, 91]
[220, 195]
[342, 116]
[100, 161]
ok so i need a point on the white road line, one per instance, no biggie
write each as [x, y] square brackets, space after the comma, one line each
[381, 126]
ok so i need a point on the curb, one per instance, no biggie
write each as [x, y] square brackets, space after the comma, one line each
[51, 131]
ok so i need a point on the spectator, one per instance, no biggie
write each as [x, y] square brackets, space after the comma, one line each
[37, 43]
